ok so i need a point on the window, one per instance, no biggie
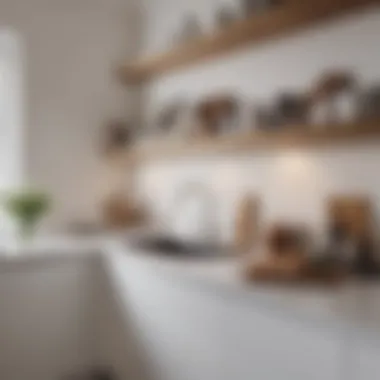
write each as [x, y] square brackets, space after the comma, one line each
[11, 128]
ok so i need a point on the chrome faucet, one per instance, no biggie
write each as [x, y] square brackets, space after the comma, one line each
[201, 219]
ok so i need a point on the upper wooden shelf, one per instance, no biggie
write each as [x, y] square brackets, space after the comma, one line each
[258, 28]
[241, 143]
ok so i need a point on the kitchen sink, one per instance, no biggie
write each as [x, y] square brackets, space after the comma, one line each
[169, 246]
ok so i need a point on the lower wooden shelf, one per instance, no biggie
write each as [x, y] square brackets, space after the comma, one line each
[244, 143]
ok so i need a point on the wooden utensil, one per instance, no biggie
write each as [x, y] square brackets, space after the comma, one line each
[353, 214]
[246, 223]
[121, 212]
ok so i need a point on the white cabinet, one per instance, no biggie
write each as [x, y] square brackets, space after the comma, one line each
[45, 320]
[367, 334]
[194, 332]
[260, 344]
[208, 331]
[368, 362]
[178, 325]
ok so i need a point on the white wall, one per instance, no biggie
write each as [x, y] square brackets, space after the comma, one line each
[71, 49]
[293, 185]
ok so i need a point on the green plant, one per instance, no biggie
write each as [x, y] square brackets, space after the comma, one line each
[27, 208]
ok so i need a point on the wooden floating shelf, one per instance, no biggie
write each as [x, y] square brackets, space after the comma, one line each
[243, 143]
[277, 22]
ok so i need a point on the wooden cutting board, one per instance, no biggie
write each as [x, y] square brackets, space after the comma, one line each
[120, 212]
[354, 212]
[246, 223]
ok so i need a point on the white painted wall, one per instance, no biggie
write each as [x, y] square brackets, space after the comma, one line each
[71, 50]
[292, 185]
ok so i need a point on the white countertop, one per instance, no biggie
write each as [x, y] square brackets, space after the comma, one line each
[352, 304]
[18, 255]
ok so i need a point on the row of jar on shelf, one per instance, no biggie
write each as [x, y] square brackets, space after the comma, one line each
[191, 27]
[336, 99]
